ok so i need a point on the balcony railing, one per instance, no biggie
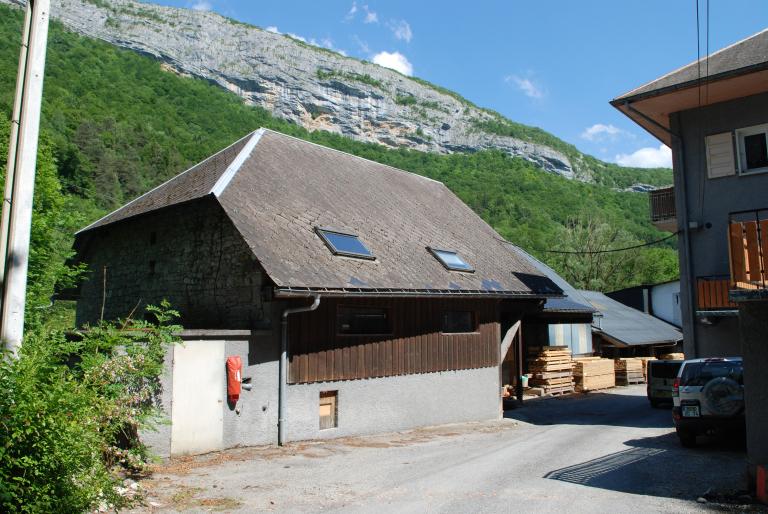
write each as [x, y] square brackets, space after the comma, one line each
[748, 247]
[662, 206]
[712, 294]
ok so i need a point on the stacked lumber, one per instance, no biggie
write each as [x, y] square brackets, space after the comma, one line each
[592, 373]
[645, 366]
[672, 357]
[551, 370]
[628, 371]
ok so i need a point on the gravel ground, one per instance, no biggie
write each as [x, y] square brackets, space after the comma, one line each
[601, 452]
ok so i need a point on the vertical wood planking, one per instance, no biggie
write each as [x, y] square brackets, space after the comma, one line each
[417, 344]
[753, 256]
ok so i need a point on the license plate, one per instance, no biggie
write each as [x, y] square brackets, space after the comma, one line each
[691, 411]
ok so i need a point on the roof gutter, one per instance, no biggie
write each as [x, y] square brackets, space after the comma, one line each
[683, 219]
[283, 370]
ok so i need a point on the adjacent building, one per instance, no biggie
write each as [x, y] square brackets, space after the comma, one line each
[659, 300]
[360, 298]
[713, 113]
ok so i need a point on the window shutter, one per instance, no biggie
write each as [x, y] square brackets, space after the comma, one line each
[720, 158]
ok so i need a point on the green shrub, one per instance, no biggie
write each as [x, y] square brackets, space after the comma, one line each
[70, 412]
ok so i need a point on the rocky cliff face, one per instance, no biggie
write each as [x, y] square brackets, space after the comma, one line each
[314, 87]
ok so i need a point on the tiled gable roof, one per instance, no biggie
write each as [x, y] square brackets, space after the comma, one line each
[278, 189]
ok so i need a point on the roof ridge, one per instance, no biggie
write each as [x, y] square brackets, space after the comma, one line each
[353, 155]
[234, 166]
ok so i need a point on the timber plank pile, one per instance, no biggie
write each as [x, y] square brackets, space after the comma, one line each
[551, 370]
[628, 371]
[593, 373]
[645, 366]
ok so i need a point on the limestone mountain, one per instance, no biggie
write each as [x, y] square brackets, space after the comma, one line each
[314, 87]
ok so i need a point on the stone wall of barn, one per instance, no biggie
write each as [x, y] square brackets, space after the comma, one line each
[190, 255]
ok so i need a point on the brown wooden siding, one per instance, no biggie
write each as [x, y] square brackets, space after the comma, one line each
[416, 344]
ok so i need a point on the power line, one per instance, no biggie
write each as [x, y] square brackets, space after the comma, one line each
[611, 250]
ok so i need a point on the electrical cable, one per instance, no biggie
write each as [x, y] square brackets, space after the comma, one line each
[611, 250]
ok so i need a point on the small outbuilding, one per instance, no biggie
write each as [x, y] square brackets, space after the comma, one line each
[621, 331]
[360, 298]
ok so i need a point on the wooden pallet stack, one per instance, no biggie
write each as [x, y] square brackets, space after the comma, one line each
[672, 357]
[645, 366]
[551, 370]
[592, 373]
[628, 371]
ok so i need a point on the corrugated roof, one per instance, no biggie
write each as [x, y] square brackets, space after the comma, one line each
[743, 55]
[277, 189]
[630, 327]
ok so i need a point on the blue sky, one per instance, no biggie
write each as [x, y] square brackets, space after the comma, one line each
[553, 64]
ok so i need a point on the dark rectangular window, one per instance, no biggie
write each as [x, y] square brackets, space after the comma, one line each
[362, 321]
[458, 322]
[756, 151]
[450, 260]
[344, 244]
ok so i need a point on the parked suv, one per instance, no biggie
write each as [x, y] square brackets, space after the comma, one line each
[708, 397]
[661, 378]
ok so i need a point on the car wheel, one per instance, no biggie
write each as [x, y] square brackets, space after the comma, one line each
[687, 438]
[655, 403]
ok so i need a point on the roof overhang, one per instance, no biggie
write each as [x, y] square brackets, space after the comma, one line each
[623, 344]
[298, 292]
[651, 110]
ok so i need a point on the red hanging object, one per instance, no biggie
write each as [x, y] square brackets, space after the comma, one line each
[234, 377]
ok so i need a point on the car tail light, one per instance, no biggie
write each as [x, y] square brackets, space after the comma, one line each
[676, 387]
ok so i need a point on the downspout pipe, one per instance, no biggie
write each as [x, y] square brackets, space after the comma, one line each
[283, 368]
[683, 213]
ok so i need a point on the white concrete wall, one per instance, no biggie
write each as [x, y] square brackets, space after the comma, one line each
[364, 406]
[665, 299]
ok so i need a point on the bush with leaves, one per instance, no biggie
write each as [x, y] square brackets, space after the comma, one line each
[70, 411]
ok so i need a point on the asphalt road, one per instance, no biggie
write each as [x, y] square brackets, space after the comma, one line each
[602, 452]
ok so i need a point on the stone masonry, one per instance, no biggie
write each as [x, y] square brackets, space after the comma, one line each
[190, 255]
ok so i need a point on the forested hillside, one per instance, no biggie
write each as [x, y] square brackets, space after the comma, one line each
[116, 123]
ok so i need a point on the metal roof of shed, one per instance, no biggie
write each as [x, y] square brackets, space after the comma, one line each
[625, 326]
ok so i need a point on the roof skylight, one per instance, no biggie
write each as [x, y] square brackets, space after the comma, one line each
[344, 244]
[451, 260]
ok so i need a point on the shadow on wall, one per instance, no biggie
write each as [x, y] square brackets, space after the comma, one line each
[659, 466]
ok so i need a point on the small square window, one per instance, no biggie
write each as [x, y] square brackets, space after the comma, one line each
[458, 322]
[451, 260]
[753, 149]
[329, 410]
[344, 244]
[362, 321]
[756, 151]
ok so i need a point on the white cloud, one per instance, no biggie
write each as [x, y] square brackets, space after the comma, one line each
[395, 61]
[525, 85]
[364, 48]
[352, 11]
[272, 29]
[370, 16]
[649, 157]
[601, 132]
[401, 30]
[296, 36]
[202, 5]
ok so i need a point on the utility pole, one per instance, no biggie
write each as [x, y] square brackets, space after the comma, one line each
[16, 221]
